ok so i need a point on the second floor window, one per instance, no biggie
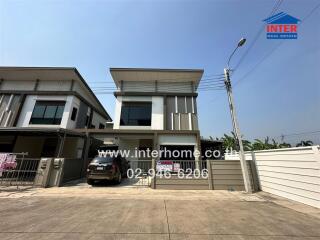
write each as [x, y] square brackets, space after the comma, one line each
[47, 112]
[74, 114]
[136, 114]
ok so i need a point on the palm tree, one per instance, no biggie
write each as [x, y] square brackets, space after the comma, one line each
[247, 146]
[258, 145]
[229, 142]
[304, 143]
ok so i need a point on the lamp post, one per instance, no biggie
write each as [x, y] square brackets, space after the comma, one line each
[235, 123]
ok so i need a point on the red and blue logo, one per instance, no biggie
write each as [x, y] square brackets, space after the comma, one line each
[282, 26]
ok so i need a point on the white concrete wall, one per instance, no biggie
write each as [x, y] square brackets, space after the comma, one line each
[156, 115]
[293, 173]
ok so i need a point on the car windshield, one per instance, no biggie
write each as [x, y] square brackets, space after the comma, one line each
[102, 160]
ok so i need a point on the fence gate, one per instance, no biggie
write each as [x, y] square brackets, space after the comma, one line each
[182, 174]
[16, 169]
[138, 175]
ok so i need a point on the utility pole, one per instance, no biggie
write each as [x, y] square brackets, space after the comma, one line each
[236, 129]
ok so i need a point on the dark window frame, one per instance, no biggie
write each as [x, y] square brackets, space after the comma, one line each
[74, 113]
[47, 112]
[130, 113]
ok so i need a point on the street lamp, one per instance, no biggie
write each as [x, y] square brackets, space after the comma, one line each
[235, 123]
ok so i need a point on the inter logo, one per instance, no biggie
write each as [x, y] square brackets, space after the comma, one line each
[282, 26]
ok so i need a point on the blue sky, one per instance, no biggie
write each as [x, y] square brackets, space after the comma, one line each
[280, 96]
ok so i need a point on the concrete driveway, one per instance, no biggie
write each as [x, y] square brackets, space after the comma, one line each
[84, 212]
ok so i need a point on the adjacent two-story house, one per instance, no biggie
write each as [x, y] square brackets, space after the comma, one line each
[41, 106]
[155, 109]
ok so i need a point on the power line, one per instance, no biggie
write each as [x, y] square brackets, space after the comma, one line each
[275, 8]
[162, 88]
[278, 45]
[207, 78]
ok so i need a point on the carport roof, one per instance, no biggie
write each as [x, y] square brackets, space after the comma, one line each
[35, 131]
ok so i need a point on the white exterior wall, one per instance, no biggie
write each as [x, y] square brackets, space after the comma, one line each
[72, 102]
[162, 86]
[54, 85]
[18, 85]
[293, 173]
[30, 102]
[177, 140]
[156, 115]
[97, 119]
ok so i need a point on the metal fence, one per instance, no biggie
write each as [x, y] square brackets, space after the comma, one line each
[138, 173]
[142, 172]
[188, 165]
[21, 173]
[72, 169]
[182, 174]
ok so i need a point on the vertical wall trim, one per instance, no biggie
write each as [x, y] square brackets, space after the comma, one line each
[179, 120]
[185, 104]
[172, 122]
[1, 117]
[192, 104]
[8, 119]
[190, 121]
[156, 86]
[176, 104]
[164, 112]
[21, 103]
[10, 102]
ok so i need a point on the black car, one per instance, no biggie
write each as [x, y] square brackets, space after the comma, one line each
[107, 168]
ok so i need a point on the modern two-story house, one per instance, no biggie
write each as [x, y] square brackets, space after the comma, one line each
[155, 109]
[41, 106]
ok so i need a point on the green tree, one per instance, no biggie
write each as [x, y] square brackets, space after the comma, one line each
[229, 141]
[285, 145]
[304, 143]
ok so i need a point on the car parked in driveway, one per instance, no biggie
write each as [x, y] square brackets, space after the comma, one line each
[107, 168]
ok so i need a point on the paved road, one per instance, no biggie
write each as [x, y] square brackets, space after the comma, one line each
[82, 212]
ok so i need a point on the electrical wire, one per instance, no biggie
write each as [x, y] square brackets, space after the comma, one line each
[207, 78]
[255, 39]
[276, 47]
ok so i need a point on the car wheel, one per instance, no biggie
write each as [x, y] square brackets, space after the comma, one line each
[90, 181]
